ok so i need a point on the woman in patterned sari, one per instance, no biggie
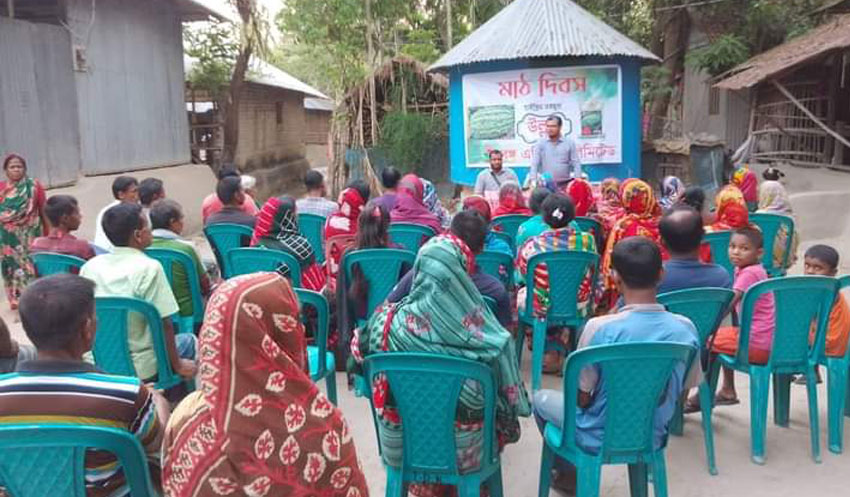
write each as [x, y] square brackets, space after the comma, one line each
[773, 199]
[445, 314]
[21, 221]
[257, 425]
[610, 205]
[747, 181]
[344, 222]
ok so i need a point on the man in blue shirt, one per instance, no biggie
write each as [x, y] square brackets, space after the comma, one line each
[637, 271]
[682, 231]
[556, 155]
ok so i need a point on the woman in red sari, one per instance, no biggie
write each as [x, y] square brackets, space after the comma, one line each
[581, 193]
[257, 426]
[610, 205]
[344, 222]
[410, 206]
[511, 201]
[731, 214]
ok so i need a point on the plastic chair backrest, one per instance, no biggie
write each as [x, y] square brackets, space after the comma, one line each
[312, 226]
[705, 307]
[111, 347]
[509, 224]
[426, 389]
[635, 377]
[247, 260]
[317, 301]
[49, 459]
[567, 270]
[226, 236]
[589, 225]
[718, 242]
[48, 263]
[381, 268]
[770, 224]
[799, 301]
[169, 258]
[410, 236]
[498, 265]
[505, 238]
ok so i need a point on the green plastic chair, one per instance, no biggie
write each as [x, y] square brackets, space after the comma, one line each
[312, 227]
[426, 389]
[225, 236]
[498, 265]
[635, 377]
[110, 349]
[49, 263]
[49, 459]
[381, 268]
[837, 389]
[410, 236]
[322, 363]
[718, 242]
[589, 225]
[770, 224]
[247, 260]
[705, 307]
[509, 225]
[567, 270]
[799, 301]
[169, 259]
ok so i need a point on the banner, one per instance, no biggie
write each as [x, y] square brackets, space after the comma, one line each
[508, 110]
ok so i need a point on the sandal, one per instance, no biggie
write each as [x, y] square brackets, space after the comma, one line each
[725, 401]
[691, 406]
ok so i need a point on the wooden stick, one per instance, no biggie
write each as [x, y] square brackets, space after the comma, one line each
[809, 114]
[10, 8]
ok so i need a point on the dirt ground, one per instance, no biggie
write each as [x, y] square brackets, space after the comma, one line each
[820, 198]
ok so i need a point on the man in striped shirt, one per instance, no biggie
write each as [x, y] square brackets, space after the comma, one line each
[57, 313]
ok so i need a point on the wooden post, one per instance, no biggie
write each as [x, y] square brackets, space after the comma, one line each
[10, 8]
[831, 107]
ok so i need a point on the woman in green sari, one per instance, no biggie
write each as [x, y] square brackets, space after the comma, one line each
[445, 314]
[21, 221]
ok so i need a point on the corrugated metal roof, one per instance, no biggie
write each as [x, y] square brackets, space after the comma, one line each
[262, 73]
[202, 10]
[319, 104]
[830, 36]
[541, 28]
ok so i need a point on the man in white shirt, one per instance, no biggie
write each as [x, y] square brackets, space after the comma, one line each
[491, 180]
[124, 189]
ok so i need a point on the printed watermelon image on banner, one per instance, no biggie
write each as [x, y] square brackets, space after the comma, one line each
[508, 111]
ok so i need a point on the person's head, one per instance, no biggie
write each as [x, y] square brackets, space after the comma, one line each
[746, 246]
[479, 205]
[682, 230]
[229, 191]
[150, 190]
[315, 183]
[821, 260]
[694, 197]
[495, 156]
[390, 177]
[125, 226]
[535, 203]
[227, 170]
[470, 227]
[373, 227]
[15, 167]
[558, 210]
[167, 214]
[637, 264]
[57, 313]
[553, 127]
[362, 187]
[63, 212]
[249, 185]
[126, 189]
[772, 174]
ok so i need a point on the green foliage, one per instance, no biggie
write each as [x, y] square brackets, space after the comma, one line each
[718, 57]
[654, 83]
[214, 46]
[406, 137]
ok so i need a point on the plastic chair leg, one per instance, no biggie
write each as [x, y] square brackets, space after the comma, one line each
[814, 426]
[836, 392]
[759, 390]
[707, 431]
[847, 400]
[638, 480]
[494, 483]
[520, 342]
[781, 399]
[588, 476]
[469, 487]
[395, 483]
[330, 384]
[547, 459]
[659, 475]
[677, 422]
[538, 344]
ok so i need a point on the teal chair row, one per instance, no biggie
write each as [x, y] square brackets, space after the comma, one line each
[635, 376]
[222, 238]
[426, 389]
[770, 225]
[567, 270]
[509, 225]
[410, 236]
[705, 307]
[498, 265]
[322, 363]
[38, 460]
[49, 263]
[171, 259]
[312, 227]
[247, 260]
[381, 268]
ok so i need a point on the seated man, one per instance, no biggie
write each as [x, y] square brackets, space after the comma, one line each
[315, 202]
[213, 204]
[682, 231]
[390, 177]
[125, 189]
[637, 266]
[232, 197]
[470, 227]
[490, 180]
[128, 272]
[57, 313]
[167, 222]
[150, 190]
[64, 215]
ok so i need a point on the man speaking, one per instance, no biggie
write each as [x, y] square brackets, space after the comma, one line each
[555, 155]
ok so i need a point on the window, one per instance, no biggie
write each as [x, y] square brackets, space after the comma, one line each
[278, 113]
[713, 101]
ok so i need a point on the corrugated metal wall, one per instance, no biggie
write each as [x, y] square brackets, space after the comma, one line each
[38, 111]
[131, 107]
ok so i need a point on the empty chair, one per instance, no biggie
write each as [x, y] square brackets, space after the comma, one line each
[776, 228]
[312, 227]
[47, 263]
[509, 224]
[249, 260]
[223, 237]
[381, 269]
[718, 242]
